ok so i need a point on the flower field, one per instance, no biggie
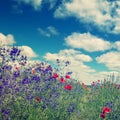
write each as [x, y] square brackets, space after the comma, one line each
[40, 92]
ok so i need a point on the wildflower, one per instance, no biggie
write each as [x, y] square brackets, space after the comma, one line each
[67, 76]
[70, 109]
[69, 73]
[62, 80]
[36, 78]
[68, 87]
[16, 73]
[25, 80]
[109, 104]
[55, 75]
[57, 60]
[49, 68]
[93, 83]
[67, 63]
[37, 98]
[106, 110]
[15, 51]
[33, 71]
[102, 115]
[17, 68]
[98, 80]
[1, 88]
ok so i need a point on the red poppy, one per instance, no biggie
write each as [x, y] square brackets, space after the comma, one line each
[67, 76]
[68, 87]
[17, 68]
[62, 80]
[55, 75]
[106, 110]
[37, 99]
[102, 115]
[33, 71]
[98, 80]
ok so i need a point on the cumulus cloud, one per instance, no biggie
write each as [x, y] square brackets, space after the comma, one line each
[34, 3]
[110, 60]
[80, 70]
[9, 40]
[102, 13]
[6, 39]
[48, 32]
[70, 54]
[87, 42]
[26, 50]
[52, 3]
[117, 45]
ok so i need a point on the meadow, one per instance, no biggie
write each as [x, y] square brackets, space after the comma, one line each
[40, 92]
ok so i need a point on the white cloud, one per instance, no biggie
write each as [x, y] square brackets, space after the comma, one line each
[9, 40]
[87, 42]
[52, 30]
[52, 3]
[70, 54]
[102, 13]
[117, 45]
[6, 39]
[48, 32]
[35, 3]
[110, 60]
[26, 50]
[77, 59]
[83, 72]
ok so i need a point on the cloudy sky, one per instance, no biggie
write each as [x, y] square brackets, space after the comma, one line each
[85, 32]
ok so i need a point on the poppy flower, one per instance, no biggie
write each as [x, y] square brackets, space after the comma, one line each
[68, 87]
[17, 68]
[33, 71]
[67, 76]
[37, 99]
[102, 115]
[98, 80]
[62, 80]
[106, 110]
[55, 75]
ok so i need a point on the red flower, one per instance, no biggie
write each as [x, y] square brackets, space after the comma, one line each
[55, 75]
[37, 99]
[33, 71]
[106, 110]
[68, 87]
[17, 68]
[98, 80]
[67, 76]
[62, 80]
[102, 115]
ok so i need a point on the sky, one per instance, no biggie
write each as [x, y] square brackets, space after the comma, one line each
[84, 32]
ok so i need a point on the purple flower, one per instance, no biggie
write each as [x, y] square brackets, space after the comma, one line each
[26, 81]
[14, 51]
[36, 78]
[5, 112]
[1, 87]
[16, 73]
[71, 108]
[5, 82]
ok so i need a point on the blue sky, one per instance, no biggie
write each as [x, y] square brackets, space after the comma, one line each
[86, 32]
